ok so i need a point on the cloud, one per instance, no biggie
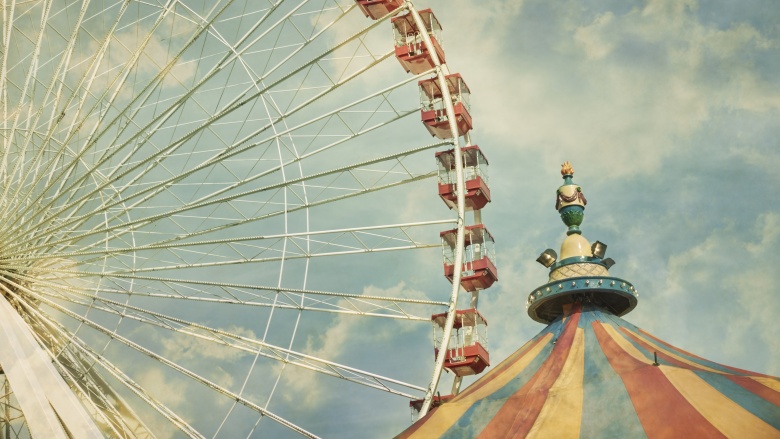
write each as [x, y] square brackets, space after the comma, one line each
[766, 160]
[668, 118]
[344, 341]
[628, 88]
[172, 393]
[179, 347]
[719, 298]
[226, 367]
[487, 24]
[591, 38]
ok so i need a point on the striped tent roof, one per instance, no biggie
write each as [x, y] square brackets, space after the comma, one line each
[590, 374]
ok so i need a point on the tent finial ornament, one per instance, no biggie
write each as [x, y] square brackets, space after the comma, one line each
[566, 169]
[570, 202]
[579, 271]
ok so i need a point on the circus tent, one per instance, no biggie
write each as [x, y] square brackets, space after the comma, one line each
[591, 374]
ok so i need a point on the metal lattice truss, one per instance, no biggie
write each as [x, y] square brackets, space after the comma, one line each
[13, 424]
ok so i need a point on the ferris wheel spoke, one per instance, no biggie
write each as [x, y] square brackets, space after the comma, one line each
[115, 85]
[49, 233]
[220, 337]
[223, 156]
[262, 217]
[29, 82]
[150, 128]
[146, 93]
[5, 43]
[223, 338]
[171, 364]
[120, 78]
[366, 238]
[259, 250]
[50, 90]
[364, 307]
[282, 298]
[255, 295]
[83, 85]
[366, 177]
[58, 78]
[241, 147]
[74, 295]
[138, 390]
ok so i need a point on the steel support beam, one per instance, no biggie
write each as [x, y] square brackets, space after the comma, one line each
[49, 405]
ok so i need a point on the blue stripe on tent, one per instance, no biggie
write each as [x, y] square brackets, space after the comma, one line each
[607, 411]
[751, 402]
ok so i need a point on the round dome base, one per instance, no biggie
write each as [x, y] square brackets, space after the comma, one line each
[546, 303]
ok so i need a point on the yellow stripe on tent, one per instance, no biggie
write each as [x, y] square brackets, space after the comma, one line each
[719, 410]
[625, 344]
[562, 411]
[769, 382]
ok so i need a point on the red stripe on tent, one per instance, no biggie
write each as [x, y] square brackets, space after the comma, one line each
[748, 372]
[757, 388]
[520, 411]
[662, 410]
[746, 382]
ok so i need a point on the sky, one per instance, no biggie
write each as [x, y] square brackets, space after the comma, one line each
[668, 111]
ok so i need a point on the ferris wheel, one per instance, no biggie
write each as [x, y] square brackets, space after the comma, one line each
[217, 218]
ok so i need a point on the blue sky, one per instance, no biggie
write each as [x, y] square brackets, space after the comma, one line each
[668, 111]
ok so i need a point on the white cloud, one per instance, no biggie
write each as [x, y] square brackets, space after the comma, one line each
[626, 90]
[486, 24]
[591, 37]
[344, 341]
[171, 393]
[719, 299]
[180, 347]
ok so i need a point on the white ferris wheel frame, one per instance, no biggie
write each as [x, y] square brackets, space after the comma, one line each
[43, 417]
